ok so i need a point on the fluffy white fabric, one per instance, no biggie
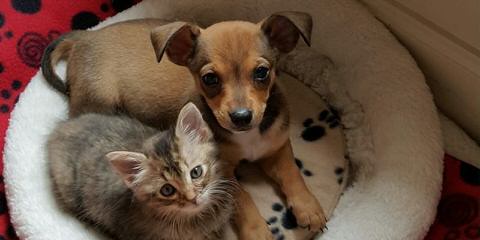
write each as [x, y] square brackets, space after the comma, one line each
[391, 126]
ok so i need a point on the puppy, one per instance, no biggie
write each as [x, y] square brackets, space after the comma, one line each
[228, 69]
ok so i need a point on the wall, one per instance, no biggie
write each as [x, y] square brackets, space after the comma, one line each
[444, 37]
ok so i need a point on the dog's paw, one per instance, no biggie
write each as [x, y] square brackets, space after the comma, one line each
[308, 213]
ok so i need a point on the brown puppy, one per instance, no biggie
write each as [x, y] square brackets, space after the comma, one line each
[227, 68]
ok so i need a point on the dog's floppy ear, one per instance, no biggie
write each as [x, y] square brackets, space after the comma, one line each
[177, 39]
[283, 29]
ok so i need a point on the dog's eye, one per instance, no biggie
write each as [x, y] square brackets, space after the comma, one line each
[196, 172]
[167, 190]
[260, 73]
[210, 79]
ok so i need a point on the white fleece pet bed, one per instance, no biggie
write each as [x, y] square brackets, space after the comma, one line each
[390, 124]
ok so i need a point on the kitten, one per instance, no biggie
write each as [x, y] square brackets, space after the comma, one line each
[134, 182]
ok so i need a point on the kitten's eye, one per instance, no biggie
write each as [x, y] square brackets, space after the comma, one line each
[167, 190]
[260, 73]
[210, 79]
[196, 172]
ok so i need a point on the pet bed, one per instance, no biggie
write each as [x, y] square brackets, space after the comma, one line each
[390, 124]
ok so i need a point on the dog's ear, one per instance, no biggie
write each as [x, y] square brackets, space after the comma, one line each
[177, 39]
[283, 29]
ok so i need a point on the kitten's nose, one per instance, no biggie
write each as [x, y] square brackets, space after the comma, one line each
[191, 196]
[241, 117]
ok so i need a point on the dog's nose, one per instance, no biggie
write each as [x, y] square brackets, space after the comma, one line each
[241, 117]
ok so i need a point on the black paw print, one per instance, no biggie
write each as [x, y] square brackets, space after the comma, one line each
[339, 171]
[330, 117]
[314, 132]
[305, 172]
[286, 221]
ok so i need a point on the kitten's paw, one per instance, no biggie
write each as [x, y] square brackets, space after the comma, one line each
[258, 231]
[309, 213]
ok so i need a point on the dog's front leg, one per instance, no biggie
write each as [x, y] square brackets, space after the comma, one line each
[281, 167]
[250, 223]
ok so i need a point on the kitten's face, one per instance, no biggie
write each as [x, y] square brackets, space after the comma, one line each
[178, 173]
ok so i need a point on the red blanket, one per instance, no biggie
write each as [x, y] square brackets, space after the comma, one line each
[26, 28]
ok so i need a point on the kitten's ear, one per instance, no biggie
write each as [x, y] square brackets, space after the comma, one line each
[191, 126]
[126, 164]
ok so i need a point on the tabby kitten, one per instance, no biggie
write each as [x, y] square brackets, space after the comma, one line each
[134, 182]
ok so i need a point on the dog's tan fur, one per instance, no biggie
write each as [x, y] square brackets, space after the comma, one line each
[115, 69]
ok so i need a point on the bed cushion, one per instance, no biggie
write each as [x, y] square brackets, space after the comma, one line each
[391, 126]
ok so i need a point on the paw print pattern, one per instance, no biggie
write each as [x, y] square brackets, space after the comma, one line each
[313, 132]
[334, 120]
[286, 221]
[339, 172]
[305, 172]
[330, 117]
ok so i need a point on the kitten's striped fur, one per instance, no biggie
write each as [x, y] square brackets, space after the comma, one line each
[89, 181]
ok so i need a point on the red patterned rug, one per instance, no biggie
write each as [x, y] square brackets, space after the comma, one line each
[27, 27]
